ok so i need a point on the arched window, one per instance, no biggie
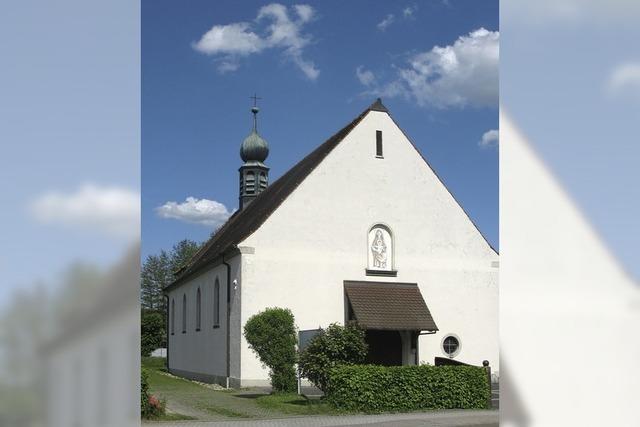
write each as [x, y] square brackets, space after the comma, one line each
[216, 304]
[173, 316]
[198, 312]
[184, 313]
[380, 251]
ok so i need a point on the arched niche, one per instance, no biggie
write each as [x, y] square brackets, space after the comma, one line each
[380, 251]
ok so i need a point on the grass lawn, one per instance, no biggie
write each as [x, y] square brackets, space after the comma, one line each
[294, 404]
[189, 400]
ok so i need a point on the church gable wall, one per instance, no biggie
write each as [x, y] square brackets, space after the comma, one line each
[319, 237]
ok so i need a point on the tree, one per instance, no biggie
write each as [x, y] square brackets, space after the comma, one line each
[182, 252]
[272, 335]
[158, 271]
[151, 331]
[155, 275]
[333, 346]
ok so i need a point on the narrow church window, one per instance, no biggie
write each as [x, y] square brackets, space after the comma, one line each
[184, 313]
[198, 312]
[216, 304]
[378, 143]
[173, 316]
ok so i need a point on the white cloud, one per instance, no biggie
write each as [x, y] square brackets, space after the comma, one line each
[490, 138]
[196, 211]
[232, 41]
[462, 74]
[625, 79]
[388, 20]
[365, 77]
[114, 211]
[408, 11]
[305, 12]
[228, 66]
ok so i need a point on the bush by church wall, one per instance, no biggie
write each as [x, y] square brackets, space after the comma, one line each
[369, 388]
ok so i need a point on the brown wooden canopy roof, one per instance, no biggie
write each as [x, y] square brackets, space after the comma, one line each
[389, 306]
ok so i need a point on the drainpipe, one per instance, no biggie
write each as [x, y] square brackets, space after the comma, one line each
[228, 318]
[166, 299]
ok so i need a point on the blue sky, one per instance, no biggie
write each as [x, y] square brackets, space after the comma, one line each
[570, 79]
[315, 69]
[69, 136]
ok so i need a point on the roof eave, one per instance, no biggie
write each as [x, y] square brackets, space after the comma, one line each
[225, 255]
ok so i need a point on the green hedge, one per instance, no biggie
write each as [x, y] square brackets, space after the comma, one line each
[369, 388]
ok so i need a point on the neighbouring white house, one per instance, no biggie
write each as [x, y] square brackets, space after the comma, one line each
[361, 229]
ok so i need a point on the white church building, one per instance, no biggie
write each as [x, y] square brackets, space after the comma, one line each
[400, 257]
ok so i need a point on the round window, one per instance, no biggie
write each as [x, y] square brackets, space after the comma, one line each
[451, 345]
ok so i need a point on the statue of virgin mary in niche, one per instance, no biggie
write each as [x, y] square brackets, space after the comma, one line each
[379, 250]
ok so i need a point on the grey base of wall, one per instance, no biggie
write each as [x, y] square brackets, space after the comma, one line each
[207, 378]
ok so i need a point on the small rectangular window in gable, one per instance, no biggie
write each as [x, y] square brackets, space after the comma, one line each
[378, 143]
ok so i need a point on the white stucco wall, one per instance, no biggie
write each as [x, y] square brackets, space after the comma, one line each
[204, 352]
[317, 239]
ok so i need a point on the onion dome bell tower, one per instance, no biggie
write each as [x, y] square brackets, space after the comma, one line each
[254, 175]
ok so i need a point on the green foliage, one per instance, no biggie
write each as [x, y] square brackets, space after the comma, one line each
[333, 346]
[151, 331]
[371, 388]
[154, 276]
[157, 273]
[150, 405]
[181, 253]
[272, 335]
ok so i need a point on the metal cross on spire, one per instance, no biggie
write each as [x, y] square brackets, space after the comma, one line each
[255, 99]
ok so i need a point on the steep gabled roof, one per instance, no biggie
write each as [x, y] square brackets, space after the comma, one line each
[245, 222]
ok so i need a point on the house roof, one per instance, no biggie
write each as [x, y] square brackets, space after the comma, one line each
[389, 306]
[243, 223]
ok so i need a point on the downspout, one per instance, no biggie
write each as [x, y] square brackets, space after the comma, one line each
[228, 318]
[167, 333]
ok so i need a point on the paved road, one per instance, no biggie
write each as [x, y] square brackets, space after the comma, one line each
[487, 418]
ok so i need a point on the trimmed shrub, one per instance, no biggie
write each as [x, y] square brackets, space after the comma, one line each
[272, 335]
[151, 331]
[336, 345]
[369, 388]
[150, 405]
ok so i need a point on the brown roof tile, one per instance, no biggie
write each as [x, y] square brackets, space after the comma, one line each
[390, 306]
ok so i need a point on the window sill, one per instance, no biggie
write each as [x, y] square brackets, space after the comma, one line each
[197, 329]
[216, 326]
[379, 157]
[391, 273]
[184, 332]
